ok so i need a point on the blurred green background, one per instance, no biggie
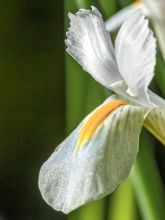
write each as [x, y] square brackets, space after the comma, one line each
[40, 86]
[32, 102]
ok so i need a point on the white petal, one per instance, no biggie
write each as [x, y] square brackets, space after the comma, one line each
[135, 54]
[156, 8]
[155, 123]
[157, 11]
[156, 100]
[90, 44]
[70, 179]
[116, 20]
[121, 89]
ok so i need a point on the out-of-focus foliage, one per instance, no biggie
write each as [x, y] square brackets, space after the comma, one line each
[32, 102]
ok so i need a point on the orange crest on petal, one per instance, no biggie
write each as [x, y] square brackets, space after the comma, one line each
[96, 119]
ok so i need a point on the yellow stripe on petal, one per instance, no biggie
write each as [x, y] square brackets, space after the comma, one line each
[138, 3]
[96, 119]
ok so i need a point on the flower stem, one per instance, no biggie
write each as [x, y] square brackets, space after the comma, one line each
[147, 182]
[160, 33]
[122, 203]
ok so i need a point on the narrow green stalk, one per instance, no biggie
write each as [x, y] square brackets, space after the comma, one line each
[122, 205]
[83, 3]
[160, 73]
[125, 3]
[76, 82]
[94, 210]
[147, 183]
[108, 6]
[160, 33]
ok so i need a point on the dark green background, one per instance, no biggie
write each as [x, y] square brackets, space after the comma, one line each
[32, 108]
[32, 99]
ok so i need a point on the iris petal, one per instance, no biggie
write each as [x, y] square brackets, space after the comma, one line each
[69, 179]
[135, 49]
[90, 44]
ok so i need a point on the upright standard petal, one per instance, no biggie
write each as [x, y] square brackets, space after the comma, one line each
[90, 44]
[71, 177]
[135, 50]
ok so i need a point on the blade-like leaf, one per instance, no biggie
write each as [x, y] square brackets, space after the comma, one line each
[147, 182]
[160, 33]
[109, 6]
[122, 204]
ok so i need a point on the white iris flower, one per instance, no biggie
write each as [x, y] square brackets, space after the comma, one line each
[154, 9]
[98, 155]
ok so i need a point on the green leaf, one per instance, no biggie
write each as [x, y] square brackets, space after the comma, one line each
[109, 7]
[147, 182]
[93, 210]
[125, 3]
[160, 33]
[160, 74]
[84, 3]
[123, 204]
